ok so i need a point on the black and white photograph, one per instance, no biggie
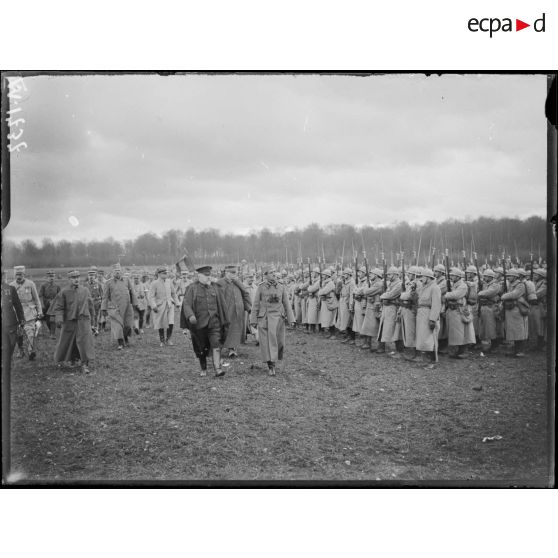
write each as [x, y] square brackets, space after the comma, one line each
[283, 278]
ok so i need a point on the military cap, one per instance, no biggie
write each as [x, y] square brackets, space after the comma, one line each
[362, 269]
[522, 272]
[488, 273]
[161, 269]
[499, 270]
[327, 272]
[540, 271]
[231, 268]
[268, 269]
[377, 271]
[426, 272]
[316, 270]
[203, 268]
[392, 270]
[347, 271]
[50, 273]
[414, 270]
[440, 267]
[73, 273]
[456, 272]
[513, 273]
[471, 269]
[19, 269]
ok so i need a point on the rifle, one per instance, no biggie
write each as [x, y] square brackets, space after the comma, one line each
[464, 257]
[448, 282]
[384, 265]
[309, 273]
[415, 257]
[505, 285]
[366, 266]
[432, 258]
[403, 272]
[478, 279]
[531, 272]
[343, 256]
[356, 269]
[320, 266]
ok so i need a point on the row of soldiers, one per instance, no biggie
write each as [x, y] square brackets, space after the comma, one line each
[382, 312]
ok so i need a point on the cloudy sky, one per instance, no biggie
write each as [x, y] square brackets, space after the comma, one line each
[123, 155]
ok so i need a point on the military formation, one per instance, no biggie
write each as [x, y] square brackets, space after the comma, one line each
[403, 312]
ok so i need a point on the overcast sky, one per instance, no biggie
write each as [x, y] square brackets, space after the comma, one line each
[124, 155]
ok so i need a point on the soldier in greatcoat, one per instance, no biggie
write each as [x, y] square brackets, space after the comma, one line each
[73, 309]
[537, 317]
[358, 308]
[47, 294]
[32, 309]
[203, 314]
[312, 308]
[142, 298]
[440, 277]
[373, 312]
[344, 317]
[328, 303]
[237, 302]
[162, 301]
[458, 316]
[516, 310]
[408, 311]
[488, 299]
[429, 306]
[472, 300]
[270, 311]
[390, 329]
[118, 301]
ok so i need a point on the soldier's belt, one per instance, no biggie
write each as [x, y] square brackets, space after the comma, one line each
[453, 305]
[534, 302]
[486, 303]
[389, 302]
[406, 303]
[424, 306]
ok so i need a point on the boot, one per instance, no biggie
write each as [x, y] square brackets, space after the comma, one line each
[169, 334]
[381, 348]
[365, 346]
[518, 349]
[216, 354]
[351, 337]
[411, 355]
[331, 333]
[203, 365]
[271, 367]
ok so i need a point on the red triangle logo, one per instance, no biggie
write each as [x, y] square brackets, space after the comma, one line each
[519, 25]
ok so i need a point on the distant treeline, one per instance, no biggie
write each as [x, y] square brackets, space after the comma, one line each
[487, 236]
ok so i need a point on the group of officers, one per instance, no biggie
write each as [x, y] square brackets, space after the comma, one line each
[413, 313]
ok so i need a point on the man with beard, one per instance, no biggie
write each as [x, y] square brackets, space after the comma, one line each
[203, 313]
[119, 299]
[237, 301]
[32, 310]
[47, 293]
[73, 309]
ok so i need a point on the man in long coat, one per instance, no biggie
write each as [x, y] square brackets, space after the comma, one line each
[32, 309]
[516, 310]
[408, 311]
[390, 329]
[537, 317]
[12, 318]
[237, 301]
[359, 305]
[312, 305]
[162, 300]
[73, 309]
[441, 281]
[329, 303]
[119, 299]
[203, 314]
[458, 316]
[488, 298]
[371, 321]
[344, 320]
[429, 306]
[270, 311]
[47, 294]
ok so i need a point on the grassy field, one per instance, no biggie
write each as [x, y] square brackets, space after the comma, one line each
[331, 414]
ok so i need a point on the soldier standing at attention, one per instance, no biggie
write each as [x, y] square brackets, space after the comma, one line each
[440, 277]
[270, 311]
[12, 317]
[429, 305]
[203, 313]
[32, 309]
[344, 320]
[516, 313]
[459, 318]
[488, 299]
[390, 330]
[329, 304]
[371, 322]
[47, 293]
[538, 309]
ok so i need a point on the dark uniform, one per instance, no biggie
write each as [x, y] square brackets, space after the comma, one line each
[47, 293]
[205, 303]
